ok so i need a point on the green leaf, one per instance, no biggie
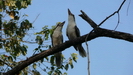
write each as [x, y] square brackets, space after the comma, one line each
[66, 66]
[10, 59]
[72, 65]
[52, 60]
[35, 72]
[1, 45]
[57, 72]
[52, 68]
[36, 49]
[18, 4]
[74, 57]
[65, 73]
[42, 60]
[50, 72]
[23, 50]
[47, 58]
[39, 40]
[34, 66]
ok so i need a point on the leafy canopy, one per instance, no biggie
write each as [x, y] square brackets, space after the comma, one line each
[12, 43]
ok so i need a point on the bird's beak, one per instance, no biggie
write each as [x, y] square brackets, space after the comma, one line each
[63, 23]
[69, 12]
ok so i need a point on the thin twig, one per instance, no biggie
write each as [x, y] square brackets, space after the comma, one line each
[88, 52]
[88, 55]
[36, 18]
[6, 63]
[94, 25]
[112, 13]
[128, 7]
[118, 21]
[18, 40]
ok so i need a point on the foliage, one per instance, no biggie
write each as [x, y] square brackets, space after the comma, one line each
[12, 43]
[52, 69]
[12, 33]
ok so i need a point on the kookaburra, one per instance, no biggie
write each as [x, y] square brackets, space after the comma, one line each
[57, 39]
[73, 32]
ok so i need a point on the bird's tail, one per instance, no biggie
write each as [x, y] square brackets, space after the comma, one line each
[58, 59]
[82, 52]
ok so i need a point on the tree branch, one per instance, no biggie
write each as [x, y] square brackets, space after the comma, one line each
[113, 13]
[114, 34]
[99, 32]
[88, 19]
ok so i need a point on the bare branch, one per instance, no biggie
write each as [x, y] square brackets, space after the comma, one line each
[118, 21]
[88, 19]
[99, 32]
[128, 7]
[36, 18]
[113, 13]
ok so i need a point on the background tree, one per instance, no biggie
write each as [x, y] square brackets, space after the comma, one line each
[42, 45]
[13, 45]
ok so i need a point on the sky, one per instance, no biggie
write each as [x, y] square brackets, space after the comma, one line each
[108, 56]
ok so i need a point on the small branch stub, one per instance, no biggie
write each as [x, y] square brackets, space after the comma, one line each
[88, 19]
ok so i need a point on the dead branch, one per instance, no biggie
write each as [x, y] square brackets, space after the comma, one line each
[99, 32]
[88, 19]
[128, 7]
[113, 13]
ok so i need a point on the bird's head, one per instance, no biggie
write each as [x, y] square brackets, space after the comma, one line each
[70, 15]
[60, 25]
[69, 12]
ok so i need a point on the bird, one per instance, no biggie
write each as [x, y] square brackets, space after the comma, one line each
[73, 32]
[57, 38]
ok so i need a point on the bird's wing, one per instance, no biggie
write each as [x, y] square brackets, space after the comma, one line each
[77, 31]
[77, 35]
[67, 33]
[62, 38]
[51, 38]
